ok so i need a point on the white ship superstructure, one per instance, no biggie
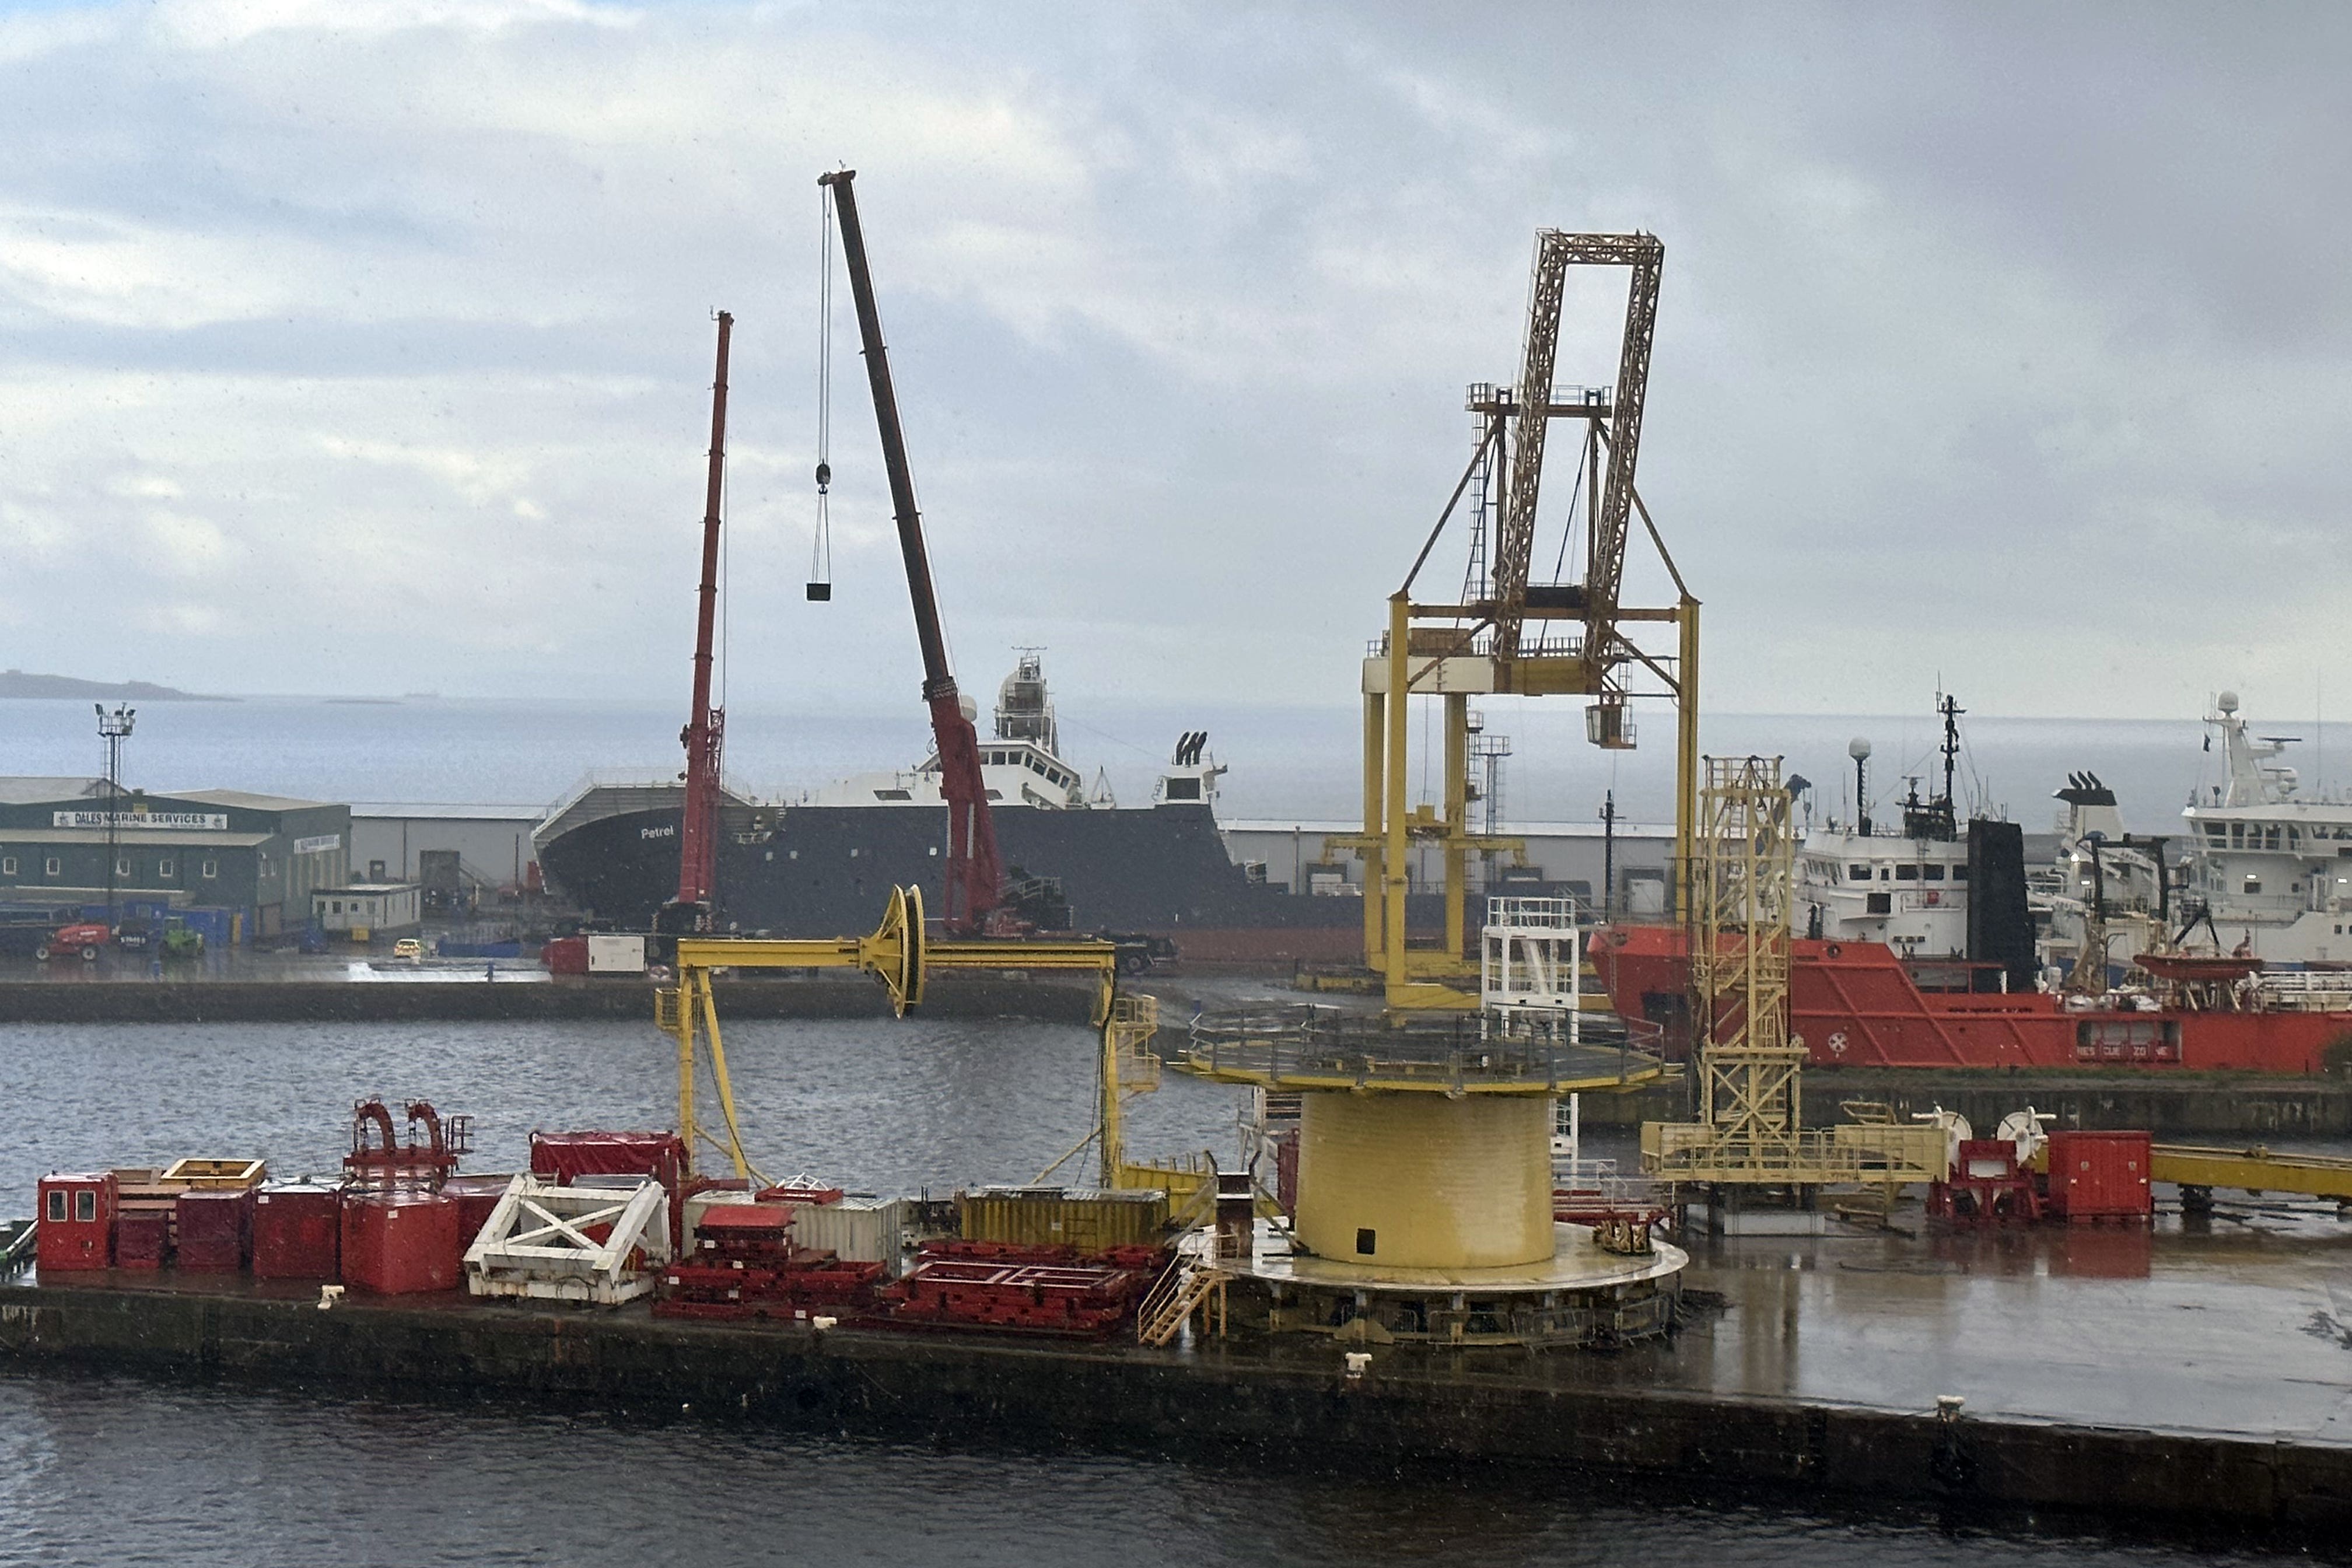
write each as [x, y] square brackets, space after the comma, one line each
[2270, 868]
[1022, 766]
[1908, 889]
[2104, 884]
[1910, 893]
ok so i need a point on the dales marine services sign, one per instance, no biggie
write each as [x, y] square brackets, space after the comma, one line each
[182, 821]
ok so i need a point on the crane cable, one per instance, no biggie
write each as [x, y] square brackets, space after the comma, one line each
[820, 580]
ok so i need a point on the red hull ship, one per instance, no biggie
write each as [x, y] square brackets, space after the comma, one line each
[1856, 1003]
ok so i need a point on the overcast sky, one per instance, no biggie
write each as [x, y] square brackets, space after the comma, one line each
[364, 346]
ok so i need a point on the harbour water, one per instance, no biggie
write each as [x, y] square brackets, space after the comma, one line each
[100, 1469]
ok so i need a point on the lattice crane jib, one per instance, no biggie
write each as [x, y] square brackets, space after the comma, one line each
[1556, 252]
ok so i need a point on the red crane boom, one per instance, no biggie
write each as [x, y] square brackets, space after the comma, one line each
[703, 735]
[973, 873]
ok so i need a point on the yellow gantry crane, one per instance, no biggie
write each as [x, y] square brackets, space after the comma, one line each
[902, 956]
[1509, 635]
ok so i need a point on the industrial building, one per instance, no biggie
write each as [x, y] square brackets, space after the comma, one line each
[255, 857]
[455, 852]
[366, 911]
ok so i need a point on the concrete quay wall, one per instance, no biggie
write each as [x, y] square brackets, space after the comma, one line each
[1236, 1405]
[301, 1001]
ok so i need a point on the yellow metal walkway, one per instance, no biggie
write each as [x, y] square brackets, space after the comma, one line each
[2254, 1169]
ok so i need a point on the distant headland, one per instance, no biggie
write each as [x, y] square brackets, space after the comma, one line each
[19, 683]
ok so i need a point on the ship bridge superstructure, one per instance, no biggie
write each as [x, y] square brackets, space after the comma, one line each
[2270, 868]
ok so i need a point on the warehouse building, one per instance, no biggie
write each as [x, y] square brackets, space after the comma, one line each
[255, 857]
[458, 854]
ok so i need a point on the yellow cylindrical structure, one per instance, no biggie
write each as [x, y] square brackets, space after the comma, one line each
[1422, 1180]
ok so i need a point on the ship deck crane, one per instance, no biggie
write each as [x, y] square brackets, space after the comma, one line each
[1482, 645]
[974, 875]
[705, 732]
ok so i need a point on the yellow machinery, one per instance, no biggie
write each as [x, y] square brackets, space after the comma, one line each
[898, 954]
[1418, 1149]
[1480, 644]
[1750, 1130]
[2254, 1170]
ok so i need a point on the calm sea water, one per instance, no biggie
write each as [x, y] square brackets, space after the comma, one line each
[1291, 764]
[102, 1470]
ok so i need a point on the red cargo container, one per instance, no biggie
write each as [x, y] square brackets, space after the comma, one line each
[78, 1215]
[2099, 1175]
[568, 1156]
[215, 1229]
[476, 1197]
[142, 1240]
[297, 1232]
[565, 956]
[400, 1244]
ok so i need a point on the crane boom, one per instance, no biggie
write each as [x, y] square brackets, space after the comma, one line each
[973, 873]
[1556, 252]
[703, 735]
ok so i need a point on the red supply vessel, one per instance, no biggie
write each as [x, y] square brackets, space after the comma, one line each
[399, 1244]
[142, 1239]
[297, 1232]
[2100, 1176]
[1857, 1004]
[77, 1220]
[214, 1230]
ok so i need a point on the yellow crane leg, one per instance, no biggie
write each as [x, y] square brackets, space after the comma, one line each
[1457, 818]
[1393, 858]
[1375, 823]
[1685, 759]
[733, 1147]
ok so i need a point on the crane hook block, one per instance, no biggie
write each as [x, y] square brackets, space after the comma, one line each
[824, 474]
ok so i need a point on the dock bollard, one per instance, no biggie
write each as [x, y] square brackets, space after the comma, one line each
[328, 1295]
[1356, 1362]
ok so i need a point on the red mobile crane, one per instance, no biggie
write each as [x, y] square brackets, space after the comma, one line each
[697, 839]
[973, 874]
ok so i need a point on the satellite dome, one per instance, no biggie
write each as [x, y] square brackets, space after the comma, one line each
[2228, 701]
[1858, 748]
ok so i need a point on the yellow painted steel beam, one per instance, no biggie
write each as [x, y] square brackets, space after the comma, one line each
[2254, 1169]
[1400, 1080]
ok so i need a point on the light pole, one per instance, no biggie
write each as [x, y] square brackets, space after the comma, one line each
[115, 729]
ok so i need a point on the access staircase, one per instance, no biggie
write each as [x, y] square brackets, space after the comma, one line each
[1190, 1281]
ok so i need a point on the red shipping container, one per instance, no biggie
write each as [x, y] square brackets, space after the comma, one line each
[142, 1239]
[400, 1244]
[215, 1228]
[77, 1220]
[297, 1232]
[2100, 1175]
[565, 956]
[568, 1156]
[476, 1197]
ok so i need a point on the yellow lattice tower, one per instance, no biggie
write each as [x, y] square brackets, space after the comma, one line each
[1750, 1066]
